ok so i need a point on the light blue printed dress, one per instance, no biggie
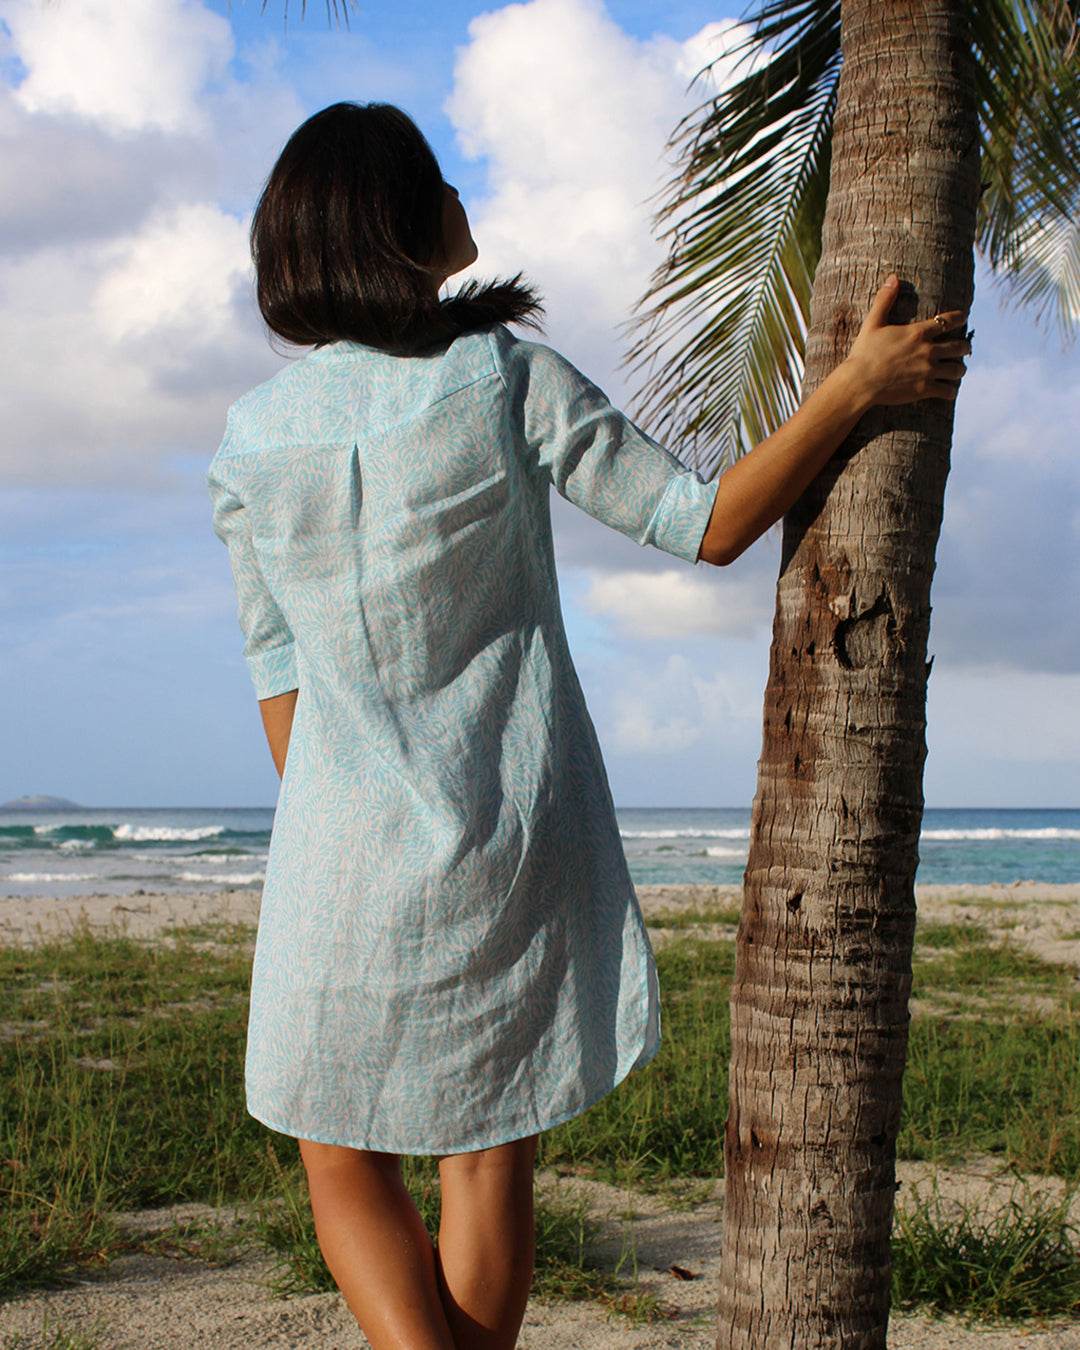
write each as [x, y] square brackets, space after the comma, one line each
[450, 954]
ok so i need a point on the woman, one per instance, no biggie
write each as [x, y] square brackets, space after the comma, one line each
[450, 956]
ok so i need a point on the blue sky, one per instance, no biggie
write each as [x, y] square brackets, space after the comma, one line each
[133, 140]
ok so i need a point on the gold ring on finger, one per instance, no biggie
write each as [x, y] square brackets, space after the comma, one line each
[941, 322]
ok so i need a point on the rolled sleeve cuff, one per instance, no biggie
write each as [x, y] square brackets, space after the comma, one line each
[679, 522]
[273, 671]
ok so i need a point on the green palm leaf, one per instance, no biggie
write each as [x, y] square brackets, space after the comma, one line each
[1029, 91]
[1045, 275]
[721, 332]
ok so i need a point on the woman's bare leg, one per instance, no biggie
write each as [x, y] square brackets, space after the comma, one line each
[377, 1247]
[487, 1243]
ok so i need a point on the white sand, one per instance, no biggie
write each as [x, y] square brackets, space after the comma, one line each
[178, 1303]
[25, 920]
[1043, 918]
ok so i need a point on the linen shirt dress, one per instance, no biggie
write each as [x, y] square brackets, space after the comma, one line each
[450, 954]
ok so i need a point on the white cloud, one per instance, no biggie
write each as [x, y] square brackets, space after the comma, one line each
[656, 715]
[1007, 587]
[115, 352]
[573, 117]
[685, 730]
[124, 280]
[180, 272]
[1022, 716]
[1016, 411]
[127, 64]
[534, 91]
[62, 180]
[641, 728]
[1003, 737]
[672, 603]
[665, 711]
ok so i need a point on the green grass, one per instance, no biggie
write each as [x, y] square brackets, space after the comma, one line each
[119, 1080]
[988, 1072]
[161, 1118]
[1010, 1088]
[965, 961]
[716, 912]
[666, 1121]
[1013, 1262]
[166, 1123]
[214, 1240]
[943, 935]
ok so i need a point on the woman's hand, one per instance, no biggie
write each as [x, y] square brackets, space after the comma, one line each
[900, 363]
[889, 363]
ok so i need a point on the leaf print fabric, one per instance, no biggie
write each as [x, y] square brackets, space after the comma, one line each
[450, 954]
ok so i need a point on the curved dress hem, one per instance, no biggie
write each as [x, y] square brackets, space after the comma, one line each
[648, 1053]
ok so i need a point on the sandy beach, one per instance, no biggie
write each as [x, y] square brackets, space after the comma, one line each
[174, 1302]
[1043, 918]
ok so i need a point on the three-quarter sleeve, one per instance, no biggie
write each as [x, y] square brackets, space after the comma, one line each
[598, 459]
[269, 647]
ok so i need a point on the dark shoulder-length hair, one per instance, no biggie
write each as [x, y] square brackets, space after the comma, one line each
[347, 225]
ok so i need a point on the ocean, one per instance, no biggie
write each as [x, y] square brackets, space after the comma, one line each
[119, 850]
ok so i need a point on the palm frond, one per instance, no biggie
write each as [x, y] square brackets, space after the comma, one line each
[337, 11]
[1045, 273]
[721, 332]
[1027, 84]
[1029, 91]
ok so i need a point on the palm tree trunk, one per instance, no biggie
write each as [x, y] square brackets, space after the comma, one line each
[819, 1003]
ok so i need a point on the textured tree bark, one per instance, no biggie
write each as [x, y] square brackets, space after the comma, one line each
[819, 1001]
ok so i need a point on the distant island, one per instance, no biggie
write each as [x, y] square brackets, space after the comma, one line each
[40, 804]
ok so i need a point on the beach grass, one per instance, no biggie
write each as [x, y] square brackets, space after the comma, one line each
[985, 1073]
[121, 1089]
[666, 1122]
[721, 911]
[1010, 1262]
[965, 959]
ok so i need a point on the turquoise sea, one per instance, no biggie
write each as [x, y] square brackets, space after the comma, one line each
[118, 850]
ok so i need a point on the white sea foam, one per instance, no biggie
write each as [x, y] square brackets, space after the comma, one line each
[208, 857]
[74, 845]
[52, 876]
[143, 834]
[996, 833]
[715, 852]
[46, 829]
[985, 834]
[225, 878]
[685, 834]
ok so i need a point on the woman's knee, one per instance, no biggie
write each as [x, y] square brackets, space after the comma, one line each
[322, 1159]
[516, 1157]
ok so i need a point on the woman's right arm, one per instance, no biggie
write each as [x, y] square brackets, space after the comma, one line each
[889, 363]
[269, 647]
